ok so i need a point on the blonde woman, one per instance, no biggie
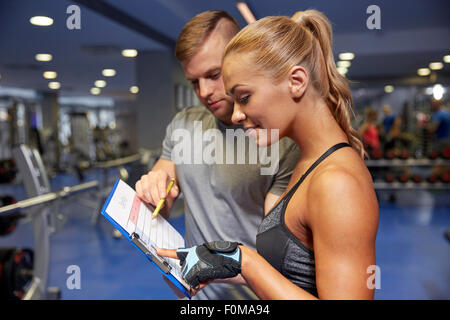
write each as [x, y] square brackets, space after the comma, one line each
[318, 241]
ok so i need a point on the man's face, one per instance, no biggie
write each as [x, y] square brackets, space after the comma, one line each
[203, 70]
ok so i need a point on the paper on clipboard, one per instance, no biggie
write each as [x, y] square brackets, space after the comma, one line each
[134, 220]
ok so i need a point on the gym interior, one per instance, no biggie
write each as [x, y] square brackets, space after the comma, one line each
[87, 89]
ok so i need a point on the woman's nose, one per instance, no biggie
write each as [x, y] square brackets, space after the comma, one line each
[238, 116]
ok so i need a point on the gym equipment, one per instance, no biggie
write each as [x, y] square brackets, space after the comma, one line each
[433, 155]
[404, 154]
[417, 178]
[389, 154]
[45, 219]
[8, 223]
[13, 278]
[404, 177]
[16, 272]
[44, 199]
[435, 178]
[390, 177]
[445, 177]
[446, 153]
[376, 154]
[7, 171]
[82, 137]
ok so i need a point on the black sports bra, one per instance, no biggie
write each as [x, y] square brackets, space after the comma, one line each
[281, 248]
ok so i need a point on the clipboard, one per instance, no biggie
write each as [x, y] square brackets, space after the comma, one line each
[147, 250]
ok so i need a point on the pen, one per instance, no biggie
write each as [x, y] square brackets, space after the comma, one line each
[155, 213]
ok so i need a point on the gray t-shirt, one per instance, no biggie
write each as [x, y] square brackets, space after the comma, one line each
[223, 183]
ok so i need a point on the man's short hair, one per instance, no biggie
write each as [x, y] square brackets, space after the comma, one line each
[196, 30]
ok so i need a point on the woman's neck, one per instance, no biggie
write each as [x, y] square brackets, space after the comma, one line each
[314, 129]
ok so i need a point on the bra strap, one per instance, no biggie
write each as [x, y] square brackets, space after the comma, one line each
[315, 164]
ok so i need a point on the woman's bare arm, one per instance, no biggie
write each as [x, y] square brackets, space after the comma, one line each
[344, 222]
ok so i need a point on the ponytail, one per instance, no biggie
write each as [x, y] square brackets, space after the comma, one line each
[332, 85]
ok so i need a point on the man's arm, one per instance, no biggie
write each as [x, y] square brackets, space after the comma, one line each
[270, 201]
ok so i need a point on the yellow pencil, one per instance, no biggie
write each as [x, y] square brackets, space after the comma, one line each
[155, 213]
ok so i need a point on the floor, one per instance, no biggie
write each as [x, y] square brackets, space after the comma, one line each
[413, 255]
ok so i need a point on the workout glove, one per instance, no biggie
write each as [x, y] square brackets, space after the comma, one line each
[209, 261]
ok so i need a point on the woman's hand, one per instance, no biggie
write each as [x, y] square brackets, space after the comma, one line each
[210, 261]
[172, 253]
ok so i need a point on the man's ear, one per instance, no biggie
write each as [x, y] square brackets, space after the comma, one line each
[298, 81]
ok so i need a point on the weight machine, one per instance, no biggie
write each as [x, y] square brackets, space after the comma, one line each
[45, 219]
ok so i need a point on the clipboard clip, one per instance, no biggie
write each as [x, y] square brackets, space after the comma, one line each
[161, 263]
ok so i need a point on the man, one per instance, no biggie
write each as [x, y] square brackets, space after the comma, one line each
[223, 201]
[440, 123]
[388, 119]
[391, 129]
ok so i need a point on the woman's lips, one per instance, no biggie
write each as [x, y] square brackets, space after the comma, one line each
[251, 131]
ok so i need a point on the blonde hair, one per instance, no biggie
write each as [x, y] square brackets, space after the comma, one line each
[276, 44]
[197, 29]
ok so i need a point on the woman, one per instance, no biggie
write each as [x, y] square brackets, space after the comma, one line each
[369, 131]
[318, 241]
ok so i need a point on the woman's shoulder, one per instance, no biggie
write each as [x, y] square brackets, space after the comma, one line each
[345, 167]
[334, 179]
[343, 188]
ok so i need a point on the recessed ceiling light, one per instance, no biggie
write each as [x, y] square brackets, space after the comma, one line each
[100, 83]
[438, 91]
[55, 85]
[109, 72]
[423, 72]
[41, 21]
[95, 91]
[50, 74]
[344, 64]
[134, 89]
[342, 70]
[346, 56]
[436, 65]
[43, 57]
[129, 53]
[388, 88]
[447, 58]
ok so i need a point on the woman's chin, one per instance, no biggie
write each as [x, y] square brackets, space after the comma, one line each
[266, 137]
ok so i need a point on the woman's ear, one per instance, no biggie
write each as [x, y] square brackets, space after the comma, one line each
[298, 81]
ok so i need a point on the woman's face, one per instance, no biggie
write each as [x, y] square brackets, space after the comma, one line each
[261, 106]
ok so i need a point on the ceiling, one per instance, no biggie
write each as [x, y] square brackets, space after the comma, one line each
[413, 34]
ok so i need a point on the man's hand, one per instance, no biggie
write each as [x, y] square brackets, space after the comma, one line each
[151, 188]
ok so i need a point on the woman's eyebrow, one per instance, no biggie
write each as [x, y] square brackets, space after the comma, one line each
[234, 87]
